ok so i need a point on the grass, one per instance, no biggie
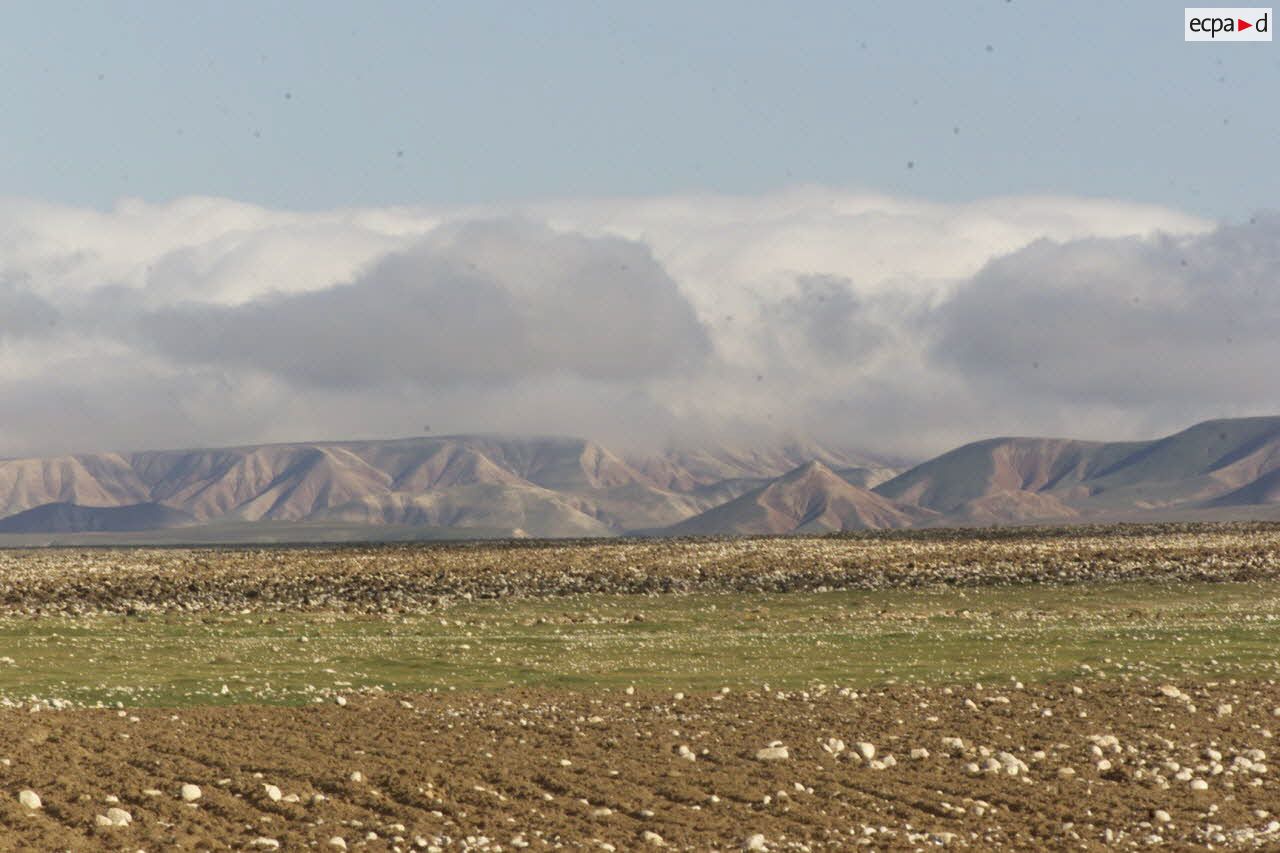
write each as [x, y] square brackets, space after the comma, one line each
[859, 639]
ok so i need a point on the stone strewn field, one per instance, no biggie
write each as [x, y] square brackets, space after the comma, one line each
[387, 578]
[1016, 689]
[1087, 765]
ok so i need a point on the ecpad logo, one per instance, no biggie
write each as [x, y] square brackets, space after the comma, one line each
[1207, 24]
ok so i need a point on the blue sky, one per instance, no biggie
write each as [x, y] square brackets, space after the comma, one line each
[319, 105]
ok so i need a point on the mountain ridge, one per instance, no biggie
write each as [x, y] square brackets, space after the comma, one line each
[566, 486]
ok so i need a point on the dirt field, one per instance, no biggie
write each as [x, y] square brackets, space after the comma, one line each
[573, 770]
[1026, 690]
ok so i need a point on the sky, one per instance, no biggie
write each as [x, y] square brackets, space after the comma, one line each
[893, 227]
[316, 105]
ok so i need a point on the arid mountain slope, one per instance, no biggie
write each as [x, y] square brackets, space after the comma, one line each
[541, 486]
[1010, 480]
[559, 486]
[810, 499]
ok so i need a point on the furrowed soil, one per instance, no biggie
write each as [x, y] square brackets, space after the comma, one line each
[580, 770]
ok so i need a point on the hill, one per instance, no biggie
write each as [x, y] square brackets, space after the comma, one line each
[810, 499]
[73, 518]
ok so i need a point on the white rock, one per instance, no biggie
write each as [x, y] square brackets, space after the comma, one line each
[919, 753]
[190, 793]
[339, 842]
[652, 838]
[772, 753]
[864, 749]
[119, 817]
[356, 776]
[273, 793]
[264, 843]
[1199, 785]
[1161, 816]
[102, 820]
[29, 798]
[755, 842]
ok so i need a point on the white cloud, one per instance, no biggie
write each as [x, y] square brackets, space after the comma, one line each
[882, 322]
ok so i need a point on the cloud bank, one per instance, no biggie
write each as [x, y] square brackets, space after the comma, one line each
[884, 323]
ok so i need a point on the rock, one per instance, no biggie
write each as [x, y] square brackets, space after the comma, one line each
[340, 701]
[1161, 816]
[919, 753]
[119, 817]
[356, 776]
[772, 753]
[755, 843]
[1170, 692]
[264, 843]
[652, 838]
[190, 793]
[30, 799]
[1199, 785]
[1225, 709]
[273, 793]
[338, 842]
[102, 820]
[1011, 764]
[866, 750]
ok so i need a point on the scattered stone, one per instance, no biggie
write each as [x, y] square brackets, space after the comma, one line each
[190, 793]
[774, 752]
[30, 799]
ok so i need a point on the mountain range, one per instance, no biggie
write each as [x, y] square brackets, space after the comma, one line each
[484, 486]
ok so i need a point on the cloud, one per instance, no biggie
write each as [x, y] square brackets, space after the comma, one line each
[1162, 324]
[23, 314]
[886, 323]
[488, 302]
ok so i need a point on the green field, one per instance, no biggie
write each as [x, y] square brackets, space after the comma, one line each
[670, 642]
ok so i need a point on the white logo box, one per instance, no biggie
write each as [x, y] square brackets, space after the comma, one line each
[1209, 23]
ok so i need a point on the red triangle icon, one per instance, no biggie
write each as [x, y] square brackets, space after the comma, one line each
[1244, 25]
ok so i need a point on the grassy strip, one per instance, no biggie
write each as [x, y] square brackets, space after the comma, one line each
[686, 642]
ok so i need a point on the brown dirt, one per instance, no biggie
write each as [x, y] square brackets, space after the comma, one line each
[457, 766]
